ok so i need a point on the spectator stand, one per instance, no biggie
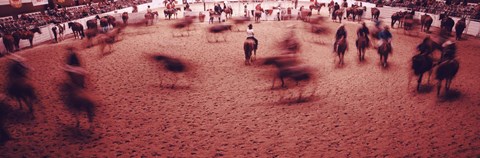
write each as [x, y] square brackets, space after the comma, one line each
[47, 34]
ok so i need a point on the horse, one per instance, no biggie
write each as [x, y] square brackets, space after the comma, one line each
[361, 44]
[60, 31]
[342, 47]
[428, 46]
[171, 64]
[220, 28]
[77, 29]
[349, 11]
[288, 67]
[104, 24]
[29, 34]
[228, 11]
[125, 17]
[338, 13]
[305, 14]
[77, 100]
[426, 21]
[169, 12]
[258, 15]
[317, 6]
[8, 42]
[18, 87]
[249, 46]
[359, 12]
[408, 22]
[149, 18]
[111, 20]
[92, 24]
[384, 50]
[446, 70]
[4, 110]
[397, 16]
[459, 27]
[375, 13]
[422, 63]
[447, 24]
[74, 69]
[184, 24]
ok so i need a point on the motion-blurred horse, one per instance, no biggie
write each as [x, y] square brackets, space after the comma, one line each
[77, 100]
[18, 87]
[342, 47]
[219, 29]
[446, 71]
[422, 63]
[384, 50]
[361, 44]
[183, 25]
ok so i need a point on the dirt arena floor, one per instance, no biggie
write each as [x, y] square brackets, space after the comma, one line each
[222, 108]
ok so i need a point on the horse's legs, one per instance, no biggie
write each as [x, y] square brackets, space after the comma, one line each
[283, 82]
[19, 102]
[273, 83]
[31, 41]
[439, 86]
[419, 82]
[429, 74]
[447, 84]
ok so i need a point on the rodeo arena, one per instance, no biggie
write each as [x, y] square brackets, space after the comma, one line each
[210, 78]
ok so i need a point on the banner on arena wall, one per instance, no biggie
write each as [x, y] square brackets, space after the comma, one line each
[16, 3]
[39, 2]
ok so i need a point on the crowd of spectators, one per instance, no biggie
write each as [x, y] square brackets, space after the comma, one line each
[457, 9]
[60, 14]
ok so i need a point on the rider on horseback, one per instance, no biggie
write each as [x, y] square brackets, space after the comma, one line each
[449, 50]
[251, 35]
[363, 31]
[384, 36]
[341, 32]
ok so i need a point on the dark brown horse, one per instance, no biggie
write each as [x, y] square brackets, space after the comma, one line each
[361, 44]
[338, 14]
[342, 47]
[317, 6]
[77, 100]
[422, 63]
[92, 24]
[58, 31]
[375, 13]
[77, 29]
[28, 35]
[125, 17]
[384, 50]
[169, 12]
[18, 87]
[398, 16]
[426, 21]
[8, 42]
[446, 71]
[459, 27]
[447, 24]
[111, 20]
[248, 47]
